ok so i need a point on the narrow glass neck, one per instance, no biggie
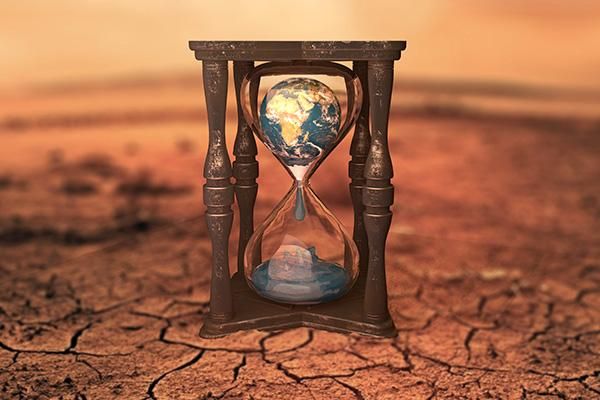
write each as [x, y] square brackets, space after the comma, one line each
[300, 173]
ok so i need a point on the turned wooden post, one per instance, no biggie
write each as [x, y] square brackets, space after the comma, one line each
[359, 149]
[245, 166]
[378, 193]
[218, 191]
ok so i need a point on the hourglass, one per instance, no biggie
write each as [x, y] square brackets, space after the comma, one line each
[299, 267]
[301, 254]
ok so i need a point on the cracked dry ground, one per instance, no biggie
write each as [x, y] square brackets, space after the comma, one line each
[493, 271]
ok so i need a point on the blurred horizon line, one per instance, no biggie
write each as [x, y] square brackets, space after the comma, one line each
[414, 96]
[476, 87]
[18, 124]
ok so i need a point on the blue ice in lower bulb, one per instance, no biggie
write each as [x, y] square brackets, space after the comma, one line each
[296, 274]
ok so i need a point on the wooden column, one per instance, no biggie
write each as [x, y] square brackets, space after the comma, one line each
[218, 191]
[359, 149]
[378, 193]
[245, 166]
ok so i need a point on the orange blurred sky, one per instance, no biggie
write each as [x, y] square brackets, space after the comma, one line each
[546, 42]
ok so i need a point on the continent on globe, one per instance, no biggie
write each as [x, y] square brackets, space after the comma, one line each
[300, 118]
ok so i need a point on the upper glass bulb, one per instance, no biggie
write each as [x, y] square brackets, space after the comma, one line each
[300, 119]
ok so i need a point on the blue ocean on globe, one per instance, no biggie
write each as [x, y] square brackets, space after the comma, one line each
[300, 118]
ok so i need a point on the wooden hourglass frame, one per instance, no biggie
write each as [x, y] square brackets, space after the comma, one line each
[233, 305]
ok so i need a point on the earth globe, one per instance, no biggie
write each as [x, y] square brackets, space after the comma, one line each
[300, 118]
[301, 254]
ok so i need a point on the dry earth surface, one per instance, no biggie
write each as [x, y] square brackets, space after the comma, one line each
[493, 258]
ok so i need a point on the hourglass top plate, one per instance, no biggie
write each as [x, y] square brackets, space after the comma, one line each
[297, 50]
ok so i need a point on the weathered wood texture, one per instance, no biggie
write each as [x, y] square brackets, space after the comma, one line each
[297, 50]
[218, 191]
[359, 150]
[245, 166]
[378, 192]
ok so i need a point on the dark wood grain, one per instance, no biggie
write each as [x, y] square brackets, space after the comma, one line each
[245, 166]
[297, 50]
[359, 149]
[378, 193]
[218, 191]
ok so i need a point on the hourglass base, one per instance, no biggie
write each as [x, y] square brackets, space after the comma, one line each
[252, 311]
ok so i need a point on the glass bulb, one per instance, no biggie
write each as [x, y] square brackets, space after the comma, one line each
[301, 254]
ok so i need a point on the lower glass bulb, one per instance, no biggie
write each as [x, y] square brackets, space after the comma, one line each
[301, 254]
